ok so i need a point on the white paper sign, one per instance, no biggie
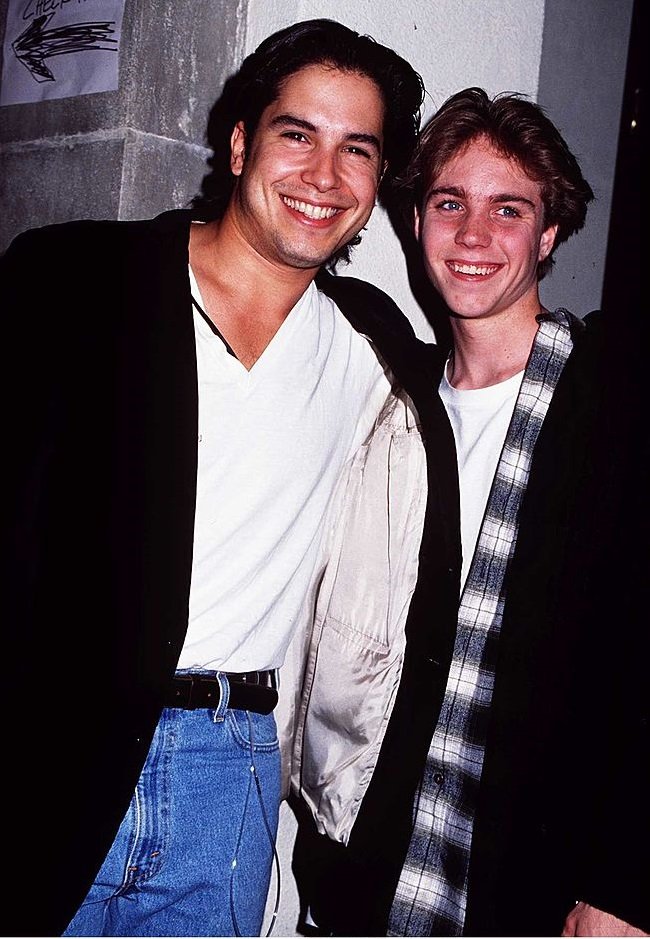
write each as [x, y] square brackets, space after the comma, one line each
[60, 48]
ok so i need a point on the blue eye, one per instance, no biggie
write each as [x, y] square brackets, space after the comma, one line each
[509, 211]
[449, 205]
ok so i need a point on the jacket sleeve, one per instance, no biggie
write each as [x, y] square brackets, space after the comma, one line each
[613, 838]
[368, 308]
[28, 357]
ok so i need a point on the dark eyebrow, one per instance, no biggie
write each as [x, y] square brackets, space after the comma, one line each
[289, 120]
[446, 191]
[459, 193]
[511, 197]
[284, 120]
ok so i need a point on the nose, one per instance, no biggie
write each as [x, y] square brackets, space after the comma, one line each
[322, 169]
[474, 230]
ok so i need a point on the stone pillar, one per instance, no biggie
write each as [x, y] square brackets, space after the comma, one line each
[128, 153]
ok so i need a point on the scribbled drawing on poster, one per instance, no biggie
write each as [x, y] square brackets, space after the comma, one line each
[60, 48]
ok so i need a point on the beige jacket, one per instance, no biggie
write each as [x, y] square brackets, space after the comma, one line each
[341, 675]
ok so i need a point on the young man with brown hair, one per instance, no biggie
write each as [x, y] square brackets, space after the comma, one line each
[494, 779]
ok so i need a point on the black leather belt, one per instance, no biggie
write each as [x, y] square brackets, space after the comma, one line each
[249, 691]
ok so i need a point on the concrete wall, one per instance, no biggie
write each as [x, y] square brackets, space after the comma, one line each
[128, 153]
[581, 83]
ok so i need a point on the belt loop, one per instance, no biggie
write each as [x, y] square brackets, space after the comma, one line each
[220, 713]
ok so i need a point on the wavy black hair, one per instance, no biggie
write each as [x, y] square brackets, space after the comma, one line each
[258, 82]
[520, 130]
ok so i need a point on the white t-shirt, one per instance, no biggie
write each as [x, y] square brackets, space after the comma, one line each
[479, 418]
[272, 444]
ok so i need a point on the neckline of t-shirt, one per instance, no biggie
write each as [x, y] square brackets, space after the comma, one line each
[499, 390]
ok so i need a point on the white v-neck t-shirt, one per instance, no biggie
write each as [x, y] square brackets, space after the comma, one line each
[272, 443]
[479, 418]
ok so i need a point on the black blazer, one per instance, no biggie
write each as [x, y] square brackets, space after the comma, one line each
[99, 420]
[563, 810]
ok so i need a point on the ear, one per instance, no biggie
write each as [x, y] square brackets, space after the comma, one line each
[238, 148]
[416, 223]
[546, 243]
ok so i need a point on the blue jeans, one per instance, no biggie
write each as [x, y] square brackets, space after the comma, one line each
[193, 854]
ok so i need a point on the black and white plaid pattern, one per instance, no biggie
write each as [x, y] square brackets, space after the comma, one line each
[432, 891]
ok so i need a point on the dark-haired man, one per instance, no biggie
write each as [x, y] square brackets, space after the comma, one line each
[175, 439]
[492, 779]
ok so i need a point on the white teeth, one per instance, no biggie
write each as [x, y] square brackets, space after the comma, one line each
[311, 211]
[473, 268]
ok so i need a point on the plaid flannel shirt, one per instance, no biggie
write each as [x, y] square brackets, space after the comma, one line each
[431, 894]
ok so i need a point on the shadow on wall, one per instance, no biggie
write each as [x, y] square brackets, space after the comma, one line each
[426, 296]
[623, 267]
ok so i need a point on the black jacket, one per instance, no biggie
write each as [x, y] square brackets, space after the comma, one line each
[563, 811]
[99, 396]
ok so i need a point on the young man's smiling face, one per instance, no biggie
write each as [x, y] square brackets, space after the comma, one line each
[308, 181]
[483, 234]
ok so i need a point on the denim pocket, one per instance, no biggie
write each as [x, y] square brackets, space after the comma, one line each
[256, 730]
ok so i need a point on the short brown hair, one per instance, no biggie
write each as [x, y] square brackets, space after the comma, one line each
[520, 130]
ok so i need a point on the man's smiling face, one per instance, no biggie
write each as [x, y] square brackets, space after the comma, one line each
[483, 234]
[308, 181]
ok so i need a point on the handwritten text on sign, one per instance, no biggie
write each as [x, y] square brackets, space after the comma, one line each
[60, 48]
